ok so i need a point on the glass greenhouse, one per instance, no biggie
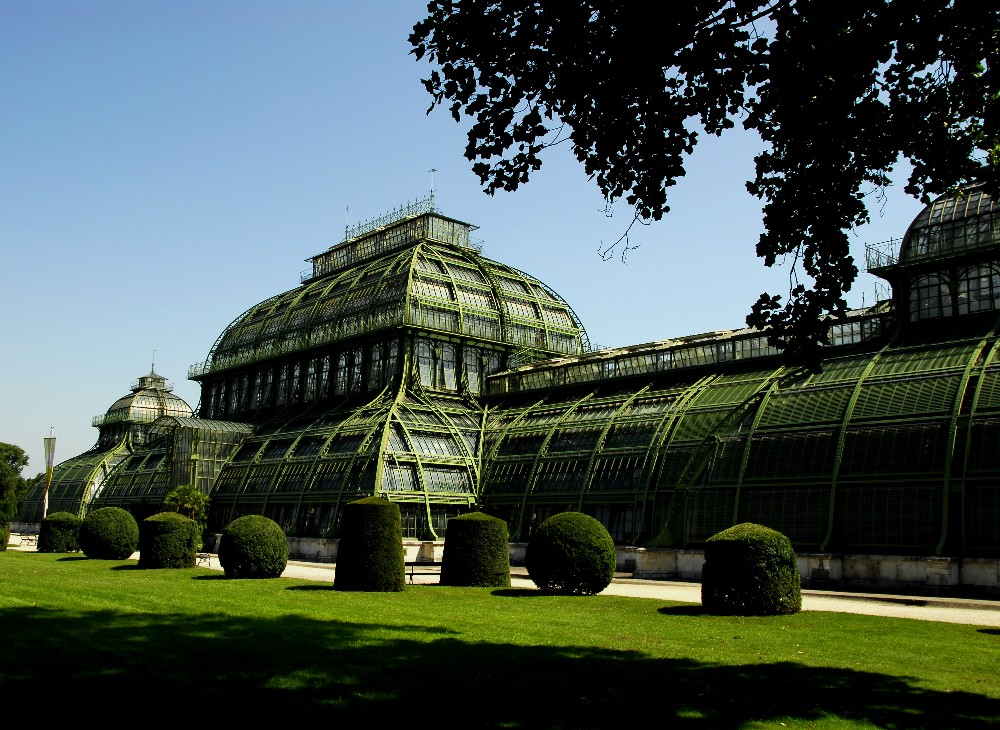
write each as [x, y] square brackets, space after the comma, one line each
[407, 364]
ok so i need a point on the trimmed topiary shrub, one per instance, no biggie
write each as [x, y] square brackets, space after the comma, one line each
[750, 570]
[253, 546]
[109, 533]
[59, 533]
[370, 553]
[168, 540]
[476, 552]
[571, 553]
[4, 530]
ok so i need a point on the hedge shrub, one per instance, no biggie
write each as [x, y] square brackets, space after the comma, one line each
[476, 552]
[750, 570]
[253, 546]
[168, 540]
[4, 530]
[370, 553]
[109, 533]
[571, 553]
[59, 533]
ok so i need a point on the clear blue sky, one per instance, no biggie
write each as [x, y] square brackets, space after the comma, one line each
[166, 164]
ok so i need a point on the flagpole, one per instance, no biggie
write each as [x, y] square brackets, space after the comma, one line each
[50, 452]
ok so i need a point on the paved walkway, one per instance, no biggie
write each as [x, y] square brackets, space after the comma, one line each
[950, 610]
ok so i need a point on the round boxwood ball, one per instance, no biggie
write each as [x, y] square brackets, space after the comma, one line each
[253, 546]
[109, 533]
[59, 533]
[750, 570]
[571, 553]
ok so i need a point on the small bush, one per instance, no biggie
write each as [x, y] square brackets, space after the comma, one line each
[59, 533]
[168, 540]
[109, 533]
[571, 553]
[370, 553]
[253, 546]
[4, 530]
[750, 570]
[476, 552]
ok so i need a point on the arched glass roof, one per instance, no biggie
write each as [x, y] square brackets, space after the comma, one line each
[151, 397]
[959, 221]
[435, 285]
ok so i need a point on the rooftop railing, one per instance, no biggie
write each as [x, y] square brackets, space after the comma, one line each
[940, 240]
[402, 227]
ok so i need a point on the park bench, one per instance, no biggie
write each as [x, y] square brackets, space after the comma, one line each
[29, 539]
[428, 567]
[204, 559]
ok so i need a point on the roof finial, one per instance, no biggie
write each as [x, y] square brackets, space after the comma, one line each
[152, 367]
[432, 171]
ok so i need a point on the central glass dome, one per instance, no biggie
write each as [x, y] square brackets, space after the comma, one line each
[422, 272]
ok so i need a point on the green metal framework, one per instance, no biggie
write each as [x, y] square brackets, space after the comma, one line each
[410, 366]
[891, 447]
[123, 428]
[364, 380]
[180, 450]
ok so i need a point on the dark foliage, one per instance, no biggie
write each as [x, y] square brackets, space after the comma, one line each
[253, 546]
[370, 553]
[4, 530]
[571, 553]
[476, 552]
[59, 533]
[109, 533]
[168, 540]
[839, 92]
[750, 570]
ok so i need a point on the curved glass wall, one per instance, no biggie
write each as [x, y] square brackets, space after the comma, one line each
[410, 366]
[180, 451]
[418, 450]
[880, 450]
[124, 427]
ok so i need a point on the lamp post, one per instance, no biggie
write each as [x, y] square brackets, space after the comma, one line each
[50, 453]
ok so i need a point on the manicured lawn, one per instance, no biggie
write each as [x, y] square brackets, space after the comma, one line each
[105, 641]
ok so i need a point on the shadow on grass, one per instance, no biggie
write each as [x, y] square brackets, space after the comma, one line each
[519, 593]
[683, 609]
[992, 632]
[293, 669]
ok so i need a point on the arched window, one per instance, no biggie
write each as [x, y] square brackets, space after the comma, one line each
[978, 289]
[930, 298]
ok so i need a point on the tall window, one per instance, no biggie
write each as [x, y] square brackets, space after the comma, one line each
[283, 386]
[448, 377]
[266, 393]
[376, 374]
[295, 387]
[310, 391]
[324, 378]
[425, 362]
[254, 399]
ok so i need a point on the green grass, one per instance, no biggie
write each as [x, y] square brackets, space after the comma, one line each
[102, 639]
